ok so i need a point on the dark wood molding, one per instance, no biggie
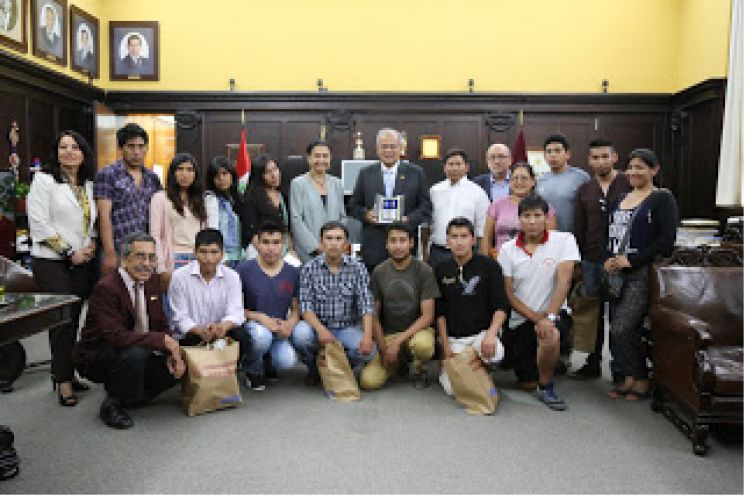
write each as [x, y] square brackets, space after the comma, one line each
[708, 89]
[19, 70]
[376, 102]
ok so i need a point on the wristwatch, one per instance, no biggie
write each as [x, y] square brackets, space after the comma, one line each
[553, 318]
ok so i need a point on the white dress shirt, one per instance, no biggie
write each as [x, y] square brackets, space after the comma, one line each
[389, 178]
[196, 302]
[465, 198]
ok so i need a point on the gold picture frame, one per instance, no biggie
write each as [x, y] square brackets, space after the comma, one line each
[430, 147]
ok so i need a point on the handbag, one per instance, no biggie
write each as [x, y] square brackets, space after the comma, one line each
[584, 320]
[472, 387]
[613, 284]
[336, 374]
[210, 383]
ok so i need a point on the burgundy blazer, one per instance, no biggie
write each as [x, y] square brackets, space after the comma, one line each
[111, 319]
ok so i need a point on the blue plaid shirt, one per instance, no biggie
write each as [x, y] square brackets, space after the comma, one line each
[339, 300]
[130, 206]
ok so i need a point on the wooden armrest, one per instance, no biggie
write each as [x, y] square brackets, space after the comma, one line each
[669, 321]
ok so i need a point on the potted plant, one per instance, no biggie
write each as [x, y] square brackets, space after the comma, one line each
[21, 194]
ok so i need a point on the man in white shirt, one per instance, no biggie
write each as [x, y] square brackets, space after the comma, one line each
[537, 266]
[206, 296]
[455, 196]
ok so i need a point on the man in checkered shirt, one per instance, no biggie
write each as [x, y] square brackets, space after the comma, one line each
[334, 297]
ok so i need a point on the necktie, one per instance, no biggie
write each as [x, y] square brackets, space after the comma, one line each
[141, 315]
[388, 181]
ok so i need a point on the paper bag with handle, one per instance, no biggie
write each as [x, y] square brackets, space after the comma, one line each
[336, 374]
[472, 386]
[210, 383]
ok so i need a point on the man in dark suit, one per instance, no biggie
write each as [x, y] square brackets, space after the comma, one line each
[49, 38]
[389, 177]
[125, 343]
[134, 64]
[495, 182]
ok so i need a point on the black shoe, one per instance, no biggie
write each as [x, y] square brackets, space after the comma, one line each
[617, 378]
[270, 373]
[312, 378]
[114, 416]
[79, 386]
[587, 372]
[560, 368]
[255, 382]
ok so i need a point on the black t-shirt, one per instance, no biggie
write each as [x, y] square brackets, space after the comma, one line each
[470, 296]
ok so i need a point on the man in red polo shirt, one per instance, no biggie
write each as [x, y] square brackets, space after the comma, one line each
[537, 266]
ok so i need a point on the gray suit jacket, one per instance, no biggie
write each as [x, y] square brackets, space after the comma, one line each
[410, 182]
[308, 214]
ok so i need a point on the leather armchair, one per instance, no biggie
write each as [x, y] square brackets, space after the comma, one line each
[696, 318]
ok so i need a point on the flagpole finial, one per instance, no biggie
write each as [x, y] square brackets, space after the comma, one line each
[520, 117]
[243, 117]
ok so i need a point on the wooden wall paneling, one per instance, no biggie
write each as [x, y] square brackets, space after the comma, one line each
[12, 108]
[41, 130]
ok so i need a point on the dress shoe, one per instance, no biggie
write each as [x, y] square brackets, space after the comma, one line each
[587, 372]
[114, 416]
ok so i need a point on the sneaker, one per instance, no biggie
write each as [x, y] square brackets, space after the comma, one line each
[550, 399]
[587, 372]
[420, 380]
[255, 382]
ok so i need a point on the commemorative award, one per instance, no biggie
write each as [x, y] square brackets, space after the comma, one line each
[389, 209]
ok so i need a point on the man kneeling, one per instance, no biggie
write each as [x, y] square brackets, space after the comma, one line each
[472, 306]
[205, 296]
[125, 343]
[270, 288]
[404, 290]
[538, 266]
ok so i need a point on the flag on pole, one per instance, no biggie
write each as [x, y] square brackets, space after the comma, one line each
[243, 160]
[519, 148]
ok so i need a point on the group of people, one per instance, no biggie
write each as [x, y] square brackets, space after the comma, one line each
[183, 265]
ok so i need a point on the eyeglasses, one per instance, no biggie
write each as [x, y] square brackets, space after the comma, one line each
[389, 146]
[143, 257]
[495, 157]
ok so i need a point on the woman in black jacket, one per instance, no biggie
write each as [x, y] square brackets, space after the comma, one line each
[651, 216]
[264, 201]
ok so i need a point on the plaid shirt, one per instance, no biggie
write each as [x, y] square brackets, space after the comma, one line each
[338, 300]
[130, 206]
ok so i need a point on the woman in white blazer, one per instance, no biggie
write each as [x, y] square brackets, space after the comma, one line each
[62, 220]
[315, 198]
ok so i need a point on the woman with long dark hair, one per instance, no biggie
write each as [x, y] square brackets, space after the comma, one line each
[177, 214]
[62, 220]
[642, 227]
[222, 199]
[264, 201]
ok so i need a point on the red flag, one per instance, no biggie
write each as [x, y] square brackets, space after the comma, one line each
[519, 149]
[243, 163]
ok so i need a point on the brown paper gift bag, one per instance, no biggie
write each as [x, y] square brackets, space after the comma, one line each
[472, 386]
[336, 374]
[209, 383]
[584, 320]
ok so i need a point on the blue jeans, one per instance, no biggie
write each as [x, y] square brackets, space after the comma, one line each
[281, 350]
[307, 346]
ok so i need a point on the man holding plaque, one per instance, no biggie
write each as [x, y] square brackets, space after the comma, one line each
[392, 190]
[455, 196]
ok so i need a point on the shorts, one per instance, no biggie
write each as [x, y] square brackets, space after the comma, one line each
[521, 346]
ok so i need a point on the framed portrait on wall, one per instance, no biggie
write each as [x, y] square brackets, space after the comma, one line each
[84, 42]
[13, 15]
[49, 30]
[133, 50]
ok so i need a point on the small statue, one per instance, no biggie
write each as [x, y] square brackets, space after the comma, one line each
[14, 136]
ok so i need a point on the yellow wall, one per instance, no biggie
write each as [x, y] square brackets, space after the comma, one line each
[93, 7]
[704, 35]
[428, 45]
